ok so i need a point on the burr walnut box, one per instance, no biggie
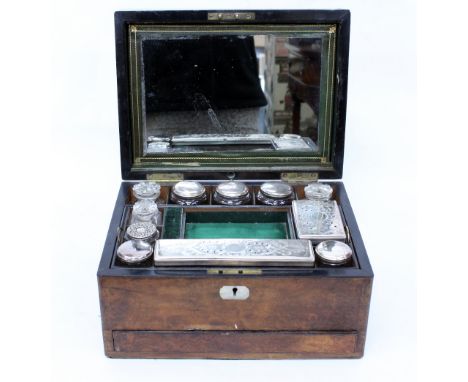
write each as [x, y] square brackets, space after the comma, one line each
[232, 236]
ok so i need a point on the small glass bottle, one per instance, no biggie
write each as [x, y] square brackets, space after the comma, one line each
[188, 193]
[145, 208]
[318, 191]
[232, 193]
[321, 207]
[146, 211]
[275, 194]
[146, 191]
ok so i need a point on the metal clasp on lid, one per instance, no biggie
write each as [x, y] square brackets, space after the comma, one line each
[222, 16]
[299, 177]
[170, 177]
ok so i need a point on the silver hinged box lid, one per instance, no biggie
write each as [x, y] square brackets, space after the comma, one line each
[242, 252]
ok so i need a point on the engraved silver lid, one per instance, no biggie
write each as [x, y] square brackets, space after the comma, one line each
[188, 189]
[276, 190]
[333, 252]
[318, 191]
[131, 252]
[232, 189]
[141, 231]
[146, 190]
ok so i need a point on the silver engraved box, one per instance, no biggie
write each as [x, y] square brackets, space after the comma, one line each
[234, 252]
[318, 220]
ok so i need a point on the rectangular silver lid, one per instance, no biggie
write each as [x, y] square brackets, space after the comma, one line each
[234, 252]
[318, 220]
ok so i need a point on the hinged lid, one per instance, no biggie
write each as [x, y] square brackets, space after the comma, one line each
[247, 91]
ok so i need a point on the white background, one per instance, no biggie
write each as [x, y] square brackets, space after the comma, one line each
[59, 112]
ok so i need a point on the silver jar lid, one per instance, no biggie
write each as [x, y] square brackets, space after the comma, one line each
[131, 252]
[146, 190]
[188, 189]
[141, 231]
[333, 252]
[276, 190]
[232, 189]
[318, 191]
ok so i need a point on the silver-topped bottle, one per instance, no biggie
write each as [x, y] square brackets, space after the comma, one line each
[146, 211]
[188, 193]
[318, 191]
[275, 194]
[232, 193]
[332, 252]
[139, 246]
[145, 208]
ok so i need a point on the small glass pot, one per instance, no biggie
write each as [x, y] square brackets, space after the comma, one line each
[334, 253]
[146, 211]
[188, 193]
[146, 191]
[318, 191]
[140, 246]
[275, 194]
[232, 194]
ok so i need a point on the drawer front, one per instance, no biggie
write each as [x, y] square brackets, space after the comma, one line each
[237, 303]
[230, 344]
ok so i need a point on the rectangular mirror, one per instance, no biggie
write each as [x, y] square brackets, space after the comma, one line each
[234, 95]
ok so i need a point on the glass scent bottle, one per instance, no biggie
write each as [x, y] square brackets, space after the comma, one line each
[146, 191]
[146, 210]
[188, 193]
[318, 191]
[139, 246]
[275, 194]
[232, 194]
[334, 253]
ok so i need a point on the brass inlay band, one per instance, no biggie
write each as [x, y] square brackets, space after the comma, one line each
[329, 33]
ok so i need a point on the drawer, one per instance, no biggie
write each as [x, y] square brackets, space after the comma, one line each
[261, 303]
[234, 344]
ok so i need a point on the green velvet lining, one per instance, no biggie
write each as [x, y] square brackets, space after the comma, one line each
[233, 225]
[171, 224]
[236, 230]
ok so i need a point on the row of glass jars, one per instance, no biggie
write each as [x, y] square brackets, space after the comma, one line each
[189, 193]
[231, 193]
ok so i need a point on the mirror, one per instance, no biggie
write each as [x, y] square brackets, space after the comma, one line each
[257, 91]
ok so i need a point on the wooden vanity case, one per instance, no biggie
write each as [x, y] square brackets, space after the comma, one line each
[217, 74]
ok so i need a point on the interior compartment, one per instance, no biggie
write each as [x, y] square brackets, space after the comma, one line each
[221, 222]
[237, 225]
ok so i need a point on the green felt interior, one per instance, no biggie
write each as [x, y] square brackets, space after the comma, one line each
[171, 223]
[236, 231]
[233, 225]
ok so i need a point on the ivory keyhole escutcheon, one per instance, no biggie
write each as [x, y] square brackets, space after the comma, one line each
[234, 292]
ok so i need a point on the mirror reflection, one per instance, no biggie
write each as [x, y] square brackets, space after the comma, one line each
[230, 92]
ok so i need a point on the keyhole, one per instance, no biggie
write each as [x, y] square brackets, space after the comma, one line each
[234, 291]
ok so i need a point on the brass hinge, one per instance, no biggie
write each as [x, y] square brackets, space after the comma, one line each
[299, 177]
[169, 177]
[213, 16]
